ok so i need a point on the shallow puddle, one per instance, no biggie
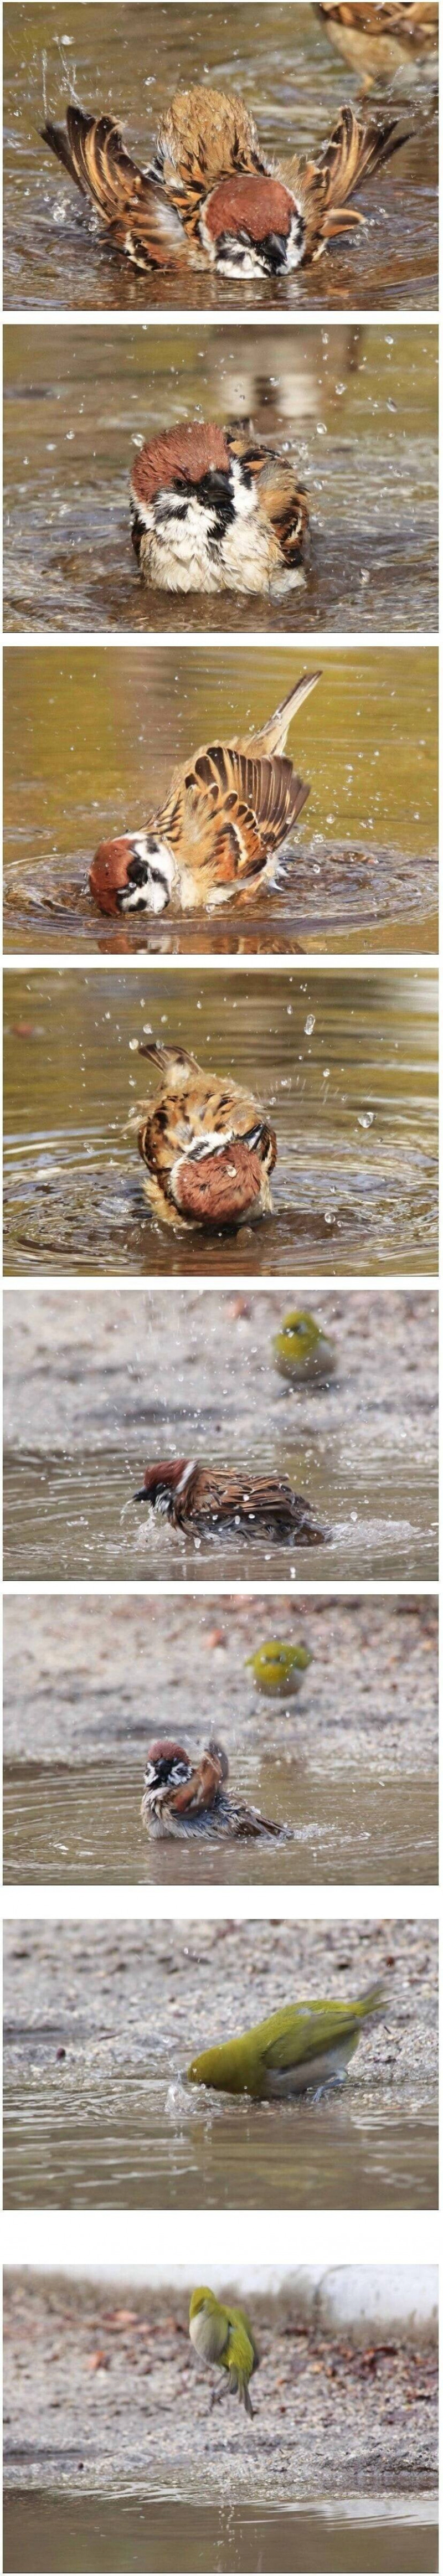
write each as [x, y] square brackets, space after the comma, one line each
[365, 444]
[71, 1826]
[48, 2533]
[78, 2135]
[90, 749]
[348, 1073]
[70, 1519]
[283, 67]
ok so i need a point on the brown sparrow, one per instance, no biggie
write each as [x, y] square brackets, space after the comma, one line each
[195, 1497]
[181, 1797]
[396, 40]
[209, 199]
[206, 1145]
[213, 510]
[225, 818]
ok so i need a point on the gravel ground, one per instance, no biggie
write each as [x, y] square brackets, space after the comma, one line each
[119, 1994]
[79, 1369]
[97, 2380]
[86, 1680]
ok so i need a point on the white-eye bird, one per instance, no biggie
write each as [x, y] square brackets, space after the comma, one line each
[279, 1669]
[302, 1350]
[305, 2046]
[224, 2335]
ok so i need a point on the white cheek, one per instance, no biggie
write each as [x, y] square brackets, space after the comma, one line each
[296, 242]
[245, 494]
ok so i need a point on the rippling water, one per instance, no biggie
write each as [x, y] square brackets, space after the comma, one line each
[124, 2536]
[89, 748]
[106, 1382]
[293, 83]
[364, 441]
[78, 2137]
[84, 1824]
[348, 1073]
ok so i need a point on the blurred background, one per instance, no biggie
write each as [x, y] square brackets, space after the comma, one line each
[358, 416]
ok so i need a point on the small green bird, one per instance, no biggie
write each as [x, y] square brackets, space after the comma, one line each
[224, 2335]
[305, 2045]
[278, 1669]
[302, 1350]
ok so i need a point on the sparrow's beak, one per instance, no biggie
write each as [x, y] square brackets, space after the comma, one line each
[142, 1496]
[275, 251]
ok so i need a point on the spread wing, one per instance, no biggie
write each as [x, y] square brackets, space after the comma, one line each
[353, 153]
[132, 205]
[236, 813]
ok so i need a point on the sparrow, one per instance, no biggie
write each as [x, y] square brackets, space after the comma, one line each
[279, 1670]
[209, 198]
[196, 1498]
[306, 2046]
[213, 510]
[220, 830]
[224, 2335]
[206, 1145]
[397, 40]
[302, 1350]
[182, 1797]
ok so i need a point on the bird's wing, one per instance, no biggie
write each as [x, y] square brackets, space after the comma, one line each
[407, 19]
[236, 812]
[132, 205]
[243, 2324]
[309, 2029]
[352, 153]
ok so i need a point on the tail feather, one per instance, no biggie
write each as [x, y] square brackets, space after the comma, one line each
[168, 1059]
[272, 736]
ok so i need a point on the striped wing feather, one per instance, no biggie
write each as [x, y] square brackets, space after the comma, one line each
[352, 153]
[133, 207]
[236, 813]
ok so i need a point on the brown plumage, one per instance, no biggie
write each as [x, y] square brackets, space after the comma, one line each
[181, 1797]
[209, 198]
[214, 510]
[219, 832]
[205, 1143]
[197, 1497]
[394, 40]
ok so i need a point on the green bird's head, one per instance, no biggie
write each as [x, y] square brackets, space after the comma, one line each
[301, 1349]
[278, 1668]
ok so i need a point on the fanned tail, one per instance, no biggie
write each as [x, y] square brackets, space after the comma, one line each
[272, 736]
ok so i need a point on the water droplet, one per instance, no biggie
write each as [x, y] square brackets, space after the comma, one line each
[309, 1024]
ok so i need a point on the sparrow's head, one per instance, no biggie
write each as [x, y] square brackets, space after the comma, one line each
[134, 874]
[163, 1756]
[160, 1481]
[251, 226]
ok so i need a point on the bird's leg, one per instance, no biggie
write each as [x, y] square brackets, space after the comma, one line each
[330, 2082]
[218, 2392]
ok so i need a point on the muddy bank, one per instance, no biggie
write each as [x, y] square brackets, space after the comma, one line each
[97, 2380]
